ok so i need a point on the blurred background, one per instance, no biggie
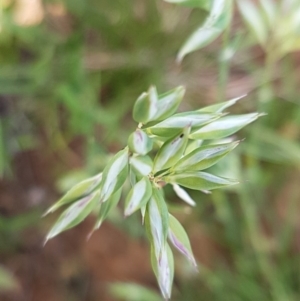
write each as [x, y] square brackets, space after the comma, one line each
[70, 73]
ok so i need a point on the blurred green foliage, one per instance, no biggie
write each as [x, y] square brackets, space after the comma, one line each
[77, 73]
[81, 68]
[7, 281]
[133, 292]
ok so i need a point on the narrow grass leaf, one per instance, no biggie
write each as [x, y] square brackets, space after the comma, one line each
[145, 106]
[192, 145]
[220, 107]
[138, 196]
[143, 212]
[198, 180]
[219, 17]
[181, 193]
[204, 157]
[78, 191]
[171, 151]
[164, 270]
[253, 18]
[204, 4]
[127, 291]
[157, 221]
[176, 123]
[270, 10]
[139, 142]
[267, 148]
[132, 176]
[224, 126]
[141, 165]
[75, 214]
[168, 103]
[105, 208]
[158, 195]
[180, 240]
[114, 174]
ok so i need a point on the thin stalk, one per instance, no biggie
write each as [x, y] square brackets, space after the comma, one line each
[289, 82]
[2, 151]
[266, 93]
[258, 242]
[224, 65]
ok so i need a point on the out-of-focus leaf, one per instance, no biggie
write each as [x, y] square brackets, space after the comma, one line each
[219, 17]
[266, 147]
[287, 35]
[151, 107]
[132, 176]
[253, 18]
[138, 196]
[157, 221]
[168, 103]
[145, 106]
[78, 191]
[204, 4]
[143, 212]
[133, 292]
[139, 142]
[176, 123]
[164, 270]
[7, 281]
[3, 151]
[75, 214]
[180, 240]
[270, 10]
[289, 45]
[295, 19]
[106, 207]
[114, 174]
[224, 126]
[204, 157]
[233, 45]
[199, 180]
[142, 165]
[181, 193]
[171, 151]
[220, 107]
[192, 145]
[19, 222]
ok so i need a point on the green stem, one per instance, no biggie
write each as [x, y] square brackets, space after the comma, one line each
[2, 150]
[224, 65]
[259, 246]
[160, 176]
[265, 93]
[289, 82]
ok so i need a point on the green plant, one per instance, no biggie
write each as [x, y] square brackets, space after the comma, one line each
[65, 69]
[272, 29]
[260, 18]
[183, 144]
